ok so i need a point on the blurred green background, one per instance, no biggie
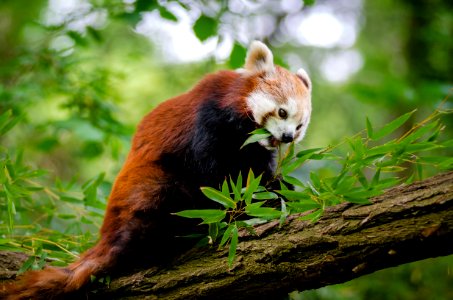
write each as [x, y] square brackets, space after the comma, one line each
[78, 75]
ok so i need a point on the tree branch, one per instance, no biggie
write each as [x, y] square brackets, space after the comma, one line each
[405, 224]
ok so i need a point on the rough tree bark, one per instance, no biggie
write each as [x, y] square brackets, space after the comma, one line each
[405, 224]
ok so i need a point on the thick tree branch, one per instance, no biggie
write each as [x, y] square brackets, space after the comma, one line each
[403, 225]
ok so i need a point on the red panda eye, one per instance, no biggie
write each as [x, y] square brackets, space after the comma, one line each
[299, 127]
[282, 113]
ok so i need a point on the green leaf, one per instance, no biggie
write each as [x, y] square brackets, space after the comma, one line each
[420, 132]
[252, 186]
[11, 207]
[385, 183]
[448, 143]
[218, 197]
[4, 241]
[423, 146]
[293, 180]
[66, 216]
[302, 156]
[361, 177]
[307, 151]
[256, 136]
[236, 188]
[288, 155]
[237, 56]
[392, 126]
[309, 2]
[369, 128]
[302, 206]
[361, 196]
[436, 160]
[166, 14]
[284, 212]
[226, 235]
[357, 145]
[208, 215]
[94, 33]
[313, 217]
[70, 199]
[225, 189]
[446, 165]
[205, 27]
[239, 182]
[264, 196]
[293, 195]
[233, 246]
[27, 264]
[8, 121]
[145, 5]
[77, 38]
[267, 213]
[42, 260]
[256, 204]
[376, 176]
[315, 180]
[381, 150]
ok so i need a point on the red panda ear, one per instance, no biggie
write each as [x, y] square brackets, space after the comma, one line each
[259, 58]
[302, 74]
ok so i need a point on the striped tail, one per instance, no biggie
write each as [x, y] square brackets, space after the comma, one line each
[58, 283]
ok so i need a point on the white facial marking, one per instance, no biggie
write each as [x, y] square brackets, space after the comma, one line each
[305, 122]
[260, 104]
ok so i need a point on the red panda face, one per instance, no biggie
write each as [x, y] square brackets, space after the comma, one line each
[280, 101]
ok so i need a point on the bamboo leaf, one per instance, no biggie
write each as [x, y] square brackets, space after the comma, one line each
[293, 195]
[293, 180]
[288, 155]
[267, 213]
[205, 27]
[226, 235]
[252, 186]
[302, 206]
[225, 189]
[264, 196]
[218, 197]
[369, 128]
[233, 246]
[313, 217]
[392, 126]
[256, 137]
[208, 215]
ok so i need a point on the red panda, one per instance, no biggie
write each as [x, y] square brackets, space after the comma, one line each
[189, 141]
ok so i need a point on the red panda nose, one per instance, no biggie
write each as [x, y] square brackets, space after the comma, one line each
[287, 138]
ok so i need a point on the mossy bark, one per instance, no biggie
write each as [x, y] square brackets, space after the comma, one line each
[405, 224]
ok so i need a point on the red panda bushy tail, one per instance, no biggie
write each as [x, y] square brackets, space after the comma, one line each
[57, 283]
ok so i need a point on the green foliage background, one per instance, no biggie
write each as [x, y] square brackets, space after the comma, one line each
[70, 100]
